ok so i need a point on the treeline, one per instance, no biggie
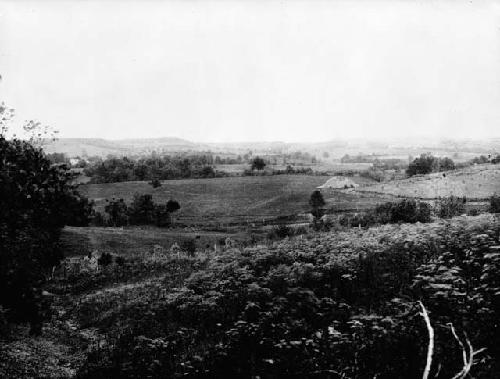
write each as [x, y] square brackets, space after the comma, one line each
[142, 211]
[124, 169]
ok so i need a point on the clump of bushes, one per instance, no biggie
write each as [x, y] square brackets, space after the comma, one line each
[405, 211]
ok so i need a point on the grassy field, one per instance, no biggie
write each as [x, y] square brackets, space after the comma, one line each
[476, 182]
[220, 199]
[235, 199]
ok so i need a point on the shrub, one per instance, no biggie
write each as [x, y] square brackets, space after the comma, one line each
[155, 183]
[105, 259]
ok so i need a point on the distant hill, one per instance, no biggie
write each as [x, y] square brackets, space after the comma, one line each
[102, 147]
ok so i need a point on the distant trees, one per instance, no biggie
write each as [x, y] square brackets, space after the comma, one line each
[58, 158]
[153, 169]
[258, 164]
[427, 163]
[142, 211]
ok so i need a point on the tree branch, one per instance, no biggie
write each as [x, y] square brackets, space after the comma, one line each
[430, 348]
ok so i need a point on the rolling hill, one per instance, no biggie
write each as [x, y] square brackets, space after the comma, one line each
[476, 182]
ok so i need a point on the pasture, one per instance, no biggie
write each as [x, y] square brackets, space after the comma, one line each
[475, 182]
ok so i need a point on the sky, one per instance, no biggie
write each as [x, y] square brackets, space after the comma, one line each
[228, 71]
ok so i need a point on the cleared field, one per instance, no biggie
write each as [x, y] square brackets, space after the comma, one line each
[476, 182]
[220, 199]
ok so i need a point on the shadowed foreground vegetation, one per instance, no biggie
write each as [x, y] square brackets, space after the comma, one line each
[329, 305]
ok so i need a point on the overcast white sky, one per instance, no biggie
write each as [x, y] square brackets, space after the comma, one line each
[253, 70]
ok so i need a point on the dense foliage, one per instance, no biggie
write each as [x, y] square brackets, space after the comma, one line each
[427, 163]
[36, 201]
[326, 306]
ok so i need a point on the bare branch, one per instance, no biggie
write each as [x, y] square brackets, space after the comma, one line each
[430, 348]
[468, 359]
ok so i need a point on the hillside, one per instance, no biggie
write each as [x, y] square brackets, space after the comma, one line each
[475, 182]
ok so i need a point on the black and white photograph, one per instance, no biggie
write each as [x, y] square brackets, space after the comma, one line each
[296, 189]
